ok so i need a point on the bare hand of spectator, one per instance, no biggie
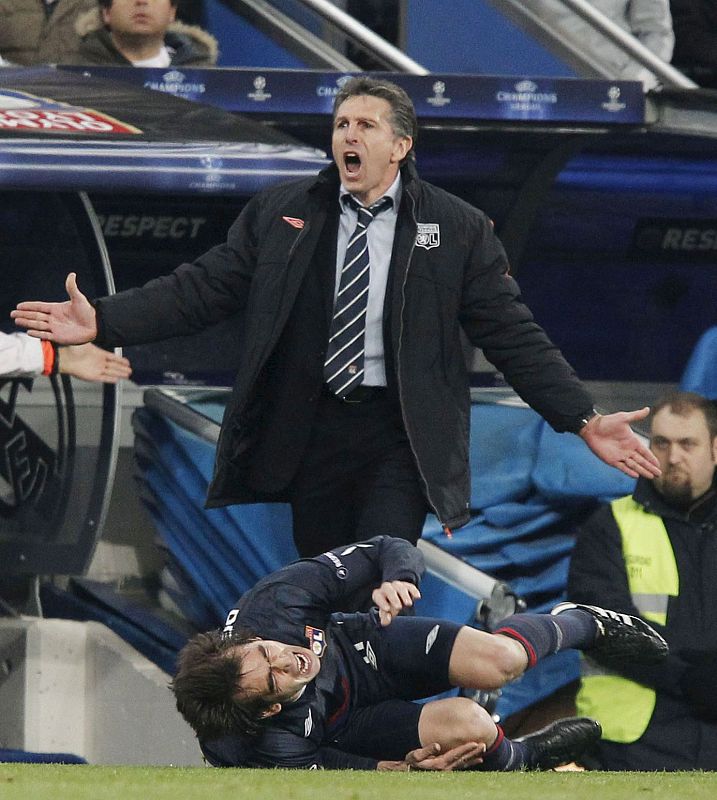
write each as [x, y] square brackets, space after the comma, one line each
[92, 363]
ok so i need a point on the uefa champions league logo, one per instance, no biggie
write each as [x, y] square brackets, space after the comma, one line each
[259, 95]
[439, 99]
[613, 104]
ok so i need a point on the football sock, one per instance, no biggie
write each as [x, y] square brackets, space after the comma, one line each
[505, 755]
[542, 634]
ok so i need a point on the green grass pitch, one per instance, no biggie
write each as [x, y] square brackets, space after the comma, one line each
[53, 782]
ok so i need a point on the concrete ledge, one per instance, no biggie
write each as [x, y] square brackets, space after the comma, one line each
[76, 687]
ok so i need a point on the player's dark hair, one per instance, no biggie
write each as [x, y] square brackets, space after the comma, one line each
[205, 687]
[684, 403]
[403, 114]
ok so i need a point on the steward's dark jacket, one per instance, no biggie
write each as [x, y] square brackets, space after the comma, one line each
[448, 271]
[676, 739]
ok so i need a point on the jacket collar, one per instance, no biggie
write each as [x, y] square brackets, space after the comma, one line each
[701, 510]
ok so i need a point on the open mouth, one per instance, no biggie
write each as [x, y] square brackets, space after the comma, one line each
[352, 162]
[303, 662]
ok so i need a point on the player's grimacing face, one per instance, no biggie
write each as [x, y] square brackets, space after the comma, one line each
[276, 671]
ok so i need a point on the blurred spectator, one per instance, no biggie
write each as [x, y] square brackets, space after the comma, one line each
[649, 21]
[695, 23]
[143, 33]
[40, 31]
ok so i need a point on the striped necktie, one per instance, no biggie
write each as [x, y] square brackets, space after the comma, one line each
[343, 369]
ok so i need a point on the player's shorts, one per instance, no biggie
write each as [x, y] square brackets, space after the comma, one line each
[407, 660]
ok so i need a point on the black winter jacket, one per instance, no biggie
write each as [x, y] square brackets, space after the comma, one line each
[461, 281]
[676, 739]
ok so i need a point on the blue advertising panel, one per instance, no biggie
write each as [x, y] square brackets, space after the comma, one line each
[474, 97]
[213, 168]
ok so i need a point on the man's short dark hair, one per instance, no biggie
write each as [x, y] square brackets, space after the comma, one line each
[108, 3]
[403, 114]
[684, 403]
[205, 687]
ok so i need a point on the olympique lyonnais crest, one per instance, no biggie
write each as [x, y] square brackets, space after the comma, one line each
[428, 235]
[317, 640]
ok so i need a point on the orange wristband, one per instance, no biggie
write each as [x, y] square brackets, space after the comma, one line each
[48, 357]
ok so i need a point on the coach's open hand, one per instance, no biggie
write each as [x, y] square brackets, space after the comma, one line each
[612, 439]
[71, 322]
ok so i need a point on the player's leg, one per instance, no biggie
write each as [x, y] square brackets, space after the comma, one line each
[482, 660]
[417, 657]
[487, 661]
[391, 729]
[457, 720]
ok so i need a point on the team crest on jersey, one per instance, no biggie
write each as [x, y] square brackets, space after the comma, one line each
[317, 640]
[428, 235]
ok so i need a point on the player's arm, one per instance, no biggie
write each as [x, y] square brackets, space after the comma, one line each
[339, 580]
[384, 568]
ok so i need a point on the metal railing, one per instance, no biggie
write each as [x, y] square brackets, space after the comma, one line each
[668, 76]
[316, 51]
[396, 59]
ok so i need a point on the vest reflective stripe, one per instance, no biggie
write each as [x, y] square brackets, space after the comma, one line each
[623, 707]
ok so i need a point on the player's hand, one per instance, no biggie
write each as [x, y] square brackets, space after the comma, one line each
[463, 756]
[391, 597]
[612, 439]
[71, 322]
[92, 363]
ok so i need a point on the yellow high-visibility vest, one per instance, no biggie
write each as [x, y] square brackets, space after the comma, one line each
[624, 707]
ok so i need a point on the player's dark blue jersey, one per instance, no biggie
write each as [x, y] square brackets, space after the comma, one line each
[309, 604]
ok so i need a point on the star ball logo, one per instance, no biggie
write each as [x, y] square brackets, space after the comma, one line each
[613, 103]
[439, 95]
[259, 95]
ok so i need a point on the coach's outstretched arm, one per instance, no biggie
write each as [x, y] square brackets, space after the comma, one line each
[73, 321]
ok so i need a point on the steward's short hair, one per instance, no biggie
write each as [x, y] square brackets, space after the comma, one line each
[684, 403]
[403, 114]
[206, 683]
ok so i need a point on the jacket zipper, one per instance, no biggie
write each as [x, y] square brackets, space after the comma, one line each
[398, 368]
